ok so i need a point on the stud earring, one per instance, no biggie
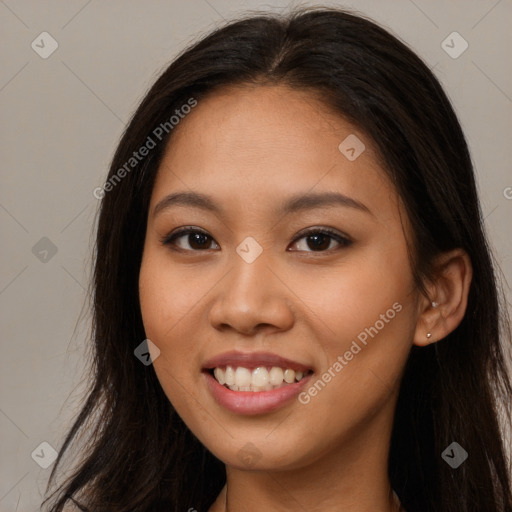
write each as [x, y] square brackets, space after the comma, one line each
[429, 335]
[435, 304]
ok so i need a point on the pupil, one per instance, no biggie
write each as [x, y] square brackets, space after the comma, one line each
[197, 240]
[318, 239]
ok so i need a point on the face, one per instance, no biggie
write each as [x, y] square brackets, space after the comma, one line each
[275, 280]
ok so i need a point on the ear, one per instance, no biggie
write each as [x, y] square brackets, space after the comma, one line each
[443, 310]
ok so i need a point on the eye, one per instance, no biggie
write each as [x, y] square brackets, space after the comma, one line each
[196, 239]
[192, 239]
[320, 239]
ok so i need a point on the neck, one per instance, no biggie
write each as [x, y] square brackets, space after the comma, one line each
[352, 478]
[276, 496]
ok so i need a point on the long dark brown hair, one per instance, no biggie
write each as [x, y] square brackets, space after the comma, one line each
[136, 453]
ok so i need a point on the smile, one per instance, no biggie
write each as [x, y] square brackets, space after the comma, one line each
[254, 383]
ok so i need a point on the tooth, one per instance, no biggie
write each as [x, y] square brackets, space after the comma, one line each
[289, 376]
[242, 377]
[260, 376]
[259, 379]
[276, 376]
[229, 376]
[219, 375]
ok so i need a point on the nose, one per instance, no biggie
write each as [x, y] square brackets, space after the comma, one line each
[252, 297]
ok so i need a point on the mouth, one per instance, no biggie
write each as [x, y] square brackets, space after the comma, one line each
[254, 383]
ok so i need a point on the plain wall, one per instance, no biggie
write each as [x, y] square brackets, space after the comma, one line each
[62, 117]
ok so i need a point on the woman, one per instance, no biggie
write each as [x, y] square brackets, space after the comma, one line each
[290, 233]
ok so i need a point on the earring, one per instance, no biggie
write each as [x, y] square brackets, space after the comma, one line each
[429, 335]
[435, 304]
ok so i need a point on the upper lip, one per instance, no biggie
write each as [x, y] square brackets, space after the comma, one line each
[253, 360]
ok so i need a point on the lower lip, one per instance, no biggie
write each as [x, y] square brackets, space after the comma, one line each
[254, 402]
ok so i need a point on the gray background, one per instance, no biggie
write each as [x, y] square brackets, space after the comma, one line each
[61, 119]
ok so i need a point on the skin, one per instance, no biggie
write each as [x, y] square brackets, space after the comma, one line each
[251, 148]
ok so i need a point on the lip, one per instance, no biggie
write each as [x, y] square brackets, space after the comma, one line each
[254, 402]
[252, 360]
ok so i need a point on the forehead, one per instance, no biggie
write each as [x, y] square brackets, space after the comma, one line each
[248, 118]
[266, 141]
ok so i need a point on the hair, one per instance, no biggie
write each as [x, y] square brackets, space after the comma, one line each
[139, 455]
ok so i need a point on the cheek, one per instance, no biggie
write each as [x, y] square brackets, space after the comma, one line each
[368, 310]
[355, 295]
[170, 301]
[165, 303]
[165, 296]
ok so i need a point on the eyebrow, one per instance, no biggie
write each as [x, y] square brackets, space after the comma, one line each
[292, 205]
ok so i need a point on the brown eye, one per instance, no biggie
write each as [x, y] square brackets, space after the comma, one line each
[189, 240]
[317, 240]
[321, 240]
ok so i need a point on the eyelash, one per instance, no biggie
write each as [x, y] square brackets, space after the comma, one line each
[342, 240]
